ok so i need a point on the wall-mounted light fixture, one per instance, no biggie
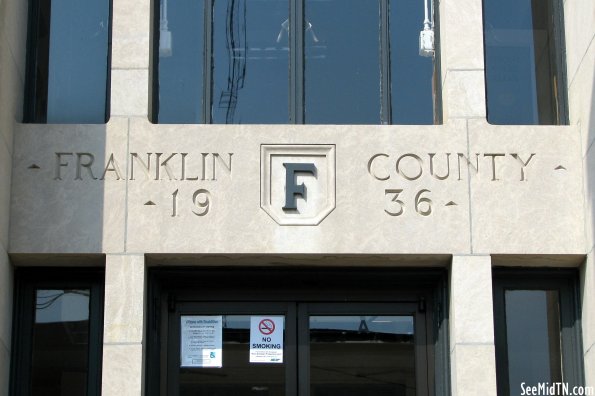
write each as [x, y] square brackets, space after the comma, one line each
[426, 36]
[165, 36]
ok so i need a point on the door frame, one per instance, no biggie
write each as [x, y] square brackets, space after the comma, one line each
[317, 290]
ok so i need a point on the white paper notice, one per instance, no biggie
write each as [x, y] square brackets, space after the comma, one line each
[201, 341]
[266, 339]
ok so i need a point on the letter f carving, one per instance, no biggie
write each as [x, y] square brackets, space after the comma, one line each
[293, 190]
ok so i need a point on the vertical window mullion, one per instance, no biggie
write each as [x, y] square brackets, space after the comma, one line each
[291, 345]
[500, 340]
[558, 59]
[37, 61]
[95, 340]
[303, 342]
[23, 335]
[108, 82]
[296, 63]
[207, 100]
[154, 62]
[385, 99]
[573, 369]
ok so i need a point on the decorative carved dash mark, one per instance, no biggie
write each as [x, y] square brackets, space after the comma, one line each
[150, 203]
[559, 167]
[451, 203]
[34, 166]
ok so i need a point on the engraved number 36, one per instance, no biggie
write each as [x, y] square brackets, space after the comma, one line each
[423, 205]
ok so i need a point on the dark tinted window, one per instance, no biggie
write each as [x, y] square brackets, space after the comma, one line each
[533, 335]
[537, 329]
[412, 75]
[342, 81]
[250, 62]
[67, 66]
[57, 341]
[238, 62]
[61, 329]
[524, 64]
[181, 53]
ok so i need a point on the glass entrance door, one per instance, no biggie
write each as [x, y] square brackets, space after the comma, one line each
[363, 349]
[286, 332]
[362, 355]
[324, 349]
[216, 354]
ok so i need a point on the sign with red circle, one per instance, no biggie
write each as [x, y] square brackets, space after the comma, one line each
[266, 339]
[266, 326]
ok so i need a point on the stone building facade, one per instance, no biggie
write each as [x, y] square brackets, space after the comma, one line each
[464, 196]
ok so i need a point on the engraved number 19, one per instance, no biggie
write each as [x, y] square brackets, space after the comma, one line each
[201, 201]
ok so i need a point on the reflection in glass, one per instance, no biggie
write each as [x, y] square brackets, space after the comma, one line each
[521, 64]
[533, 337]
[362, 356]
[342, 71]
[412, 75]
[181, 57]
[250, 62]
[61, 329]
[237, 377]
[68, 80]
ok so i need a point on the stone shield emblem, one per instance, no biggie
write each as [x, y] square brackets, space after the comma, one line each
[297, 182]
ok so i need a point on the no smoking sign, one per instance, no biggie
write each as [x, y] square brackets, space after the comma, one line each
[266, 326]
[266, 339]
